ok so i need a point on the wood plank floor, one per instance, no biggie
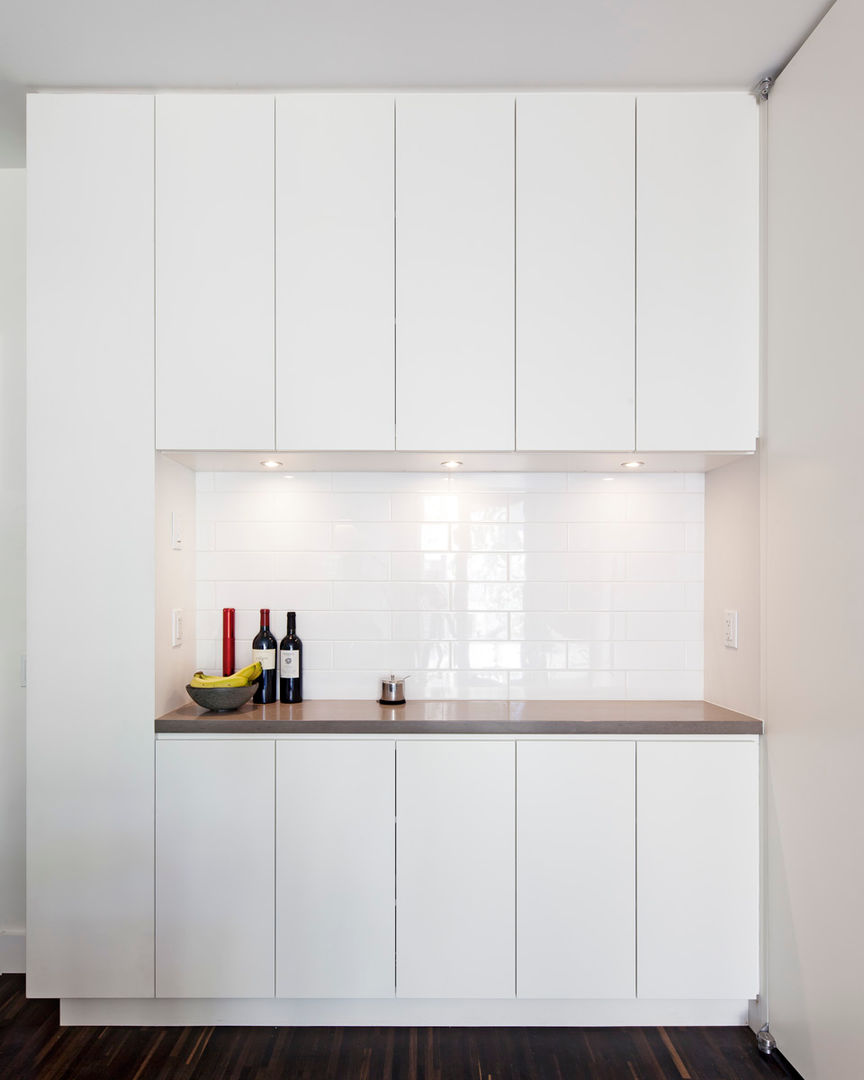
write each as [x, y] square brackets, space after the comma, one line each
[34, 1047]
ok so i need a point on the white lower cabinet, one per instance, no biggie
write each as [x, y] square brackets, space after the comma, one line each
[455, 869]
[576, 870]
[335, 914]
[214, 868]
[698, 869]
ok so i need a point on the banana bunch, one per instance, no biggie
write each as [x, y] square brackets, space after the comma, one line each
[242, 677]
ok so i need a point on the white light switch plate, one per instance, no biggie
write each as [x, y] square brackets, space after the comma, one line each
[176, 627]
[176, 533]
[730, 629]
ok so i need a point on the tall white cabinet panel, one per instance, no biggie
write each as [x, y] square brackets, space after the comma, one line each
[697, 355]
[576, 880]
[454, 272]
[335, 365]
[214, 272]
[215, 806]
[455, 869]
[575, 271]
[335, 877]
[90, 563]
[698, 869]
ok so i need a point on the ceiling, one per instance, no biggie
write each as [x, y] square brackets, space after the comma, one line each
[217, 44]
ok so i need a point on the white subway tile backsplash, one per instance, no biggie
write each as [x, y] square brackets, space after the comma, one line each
[478, 585]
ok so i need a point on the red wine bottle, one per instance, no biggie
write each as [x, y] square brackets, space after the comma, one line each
[291, 664]
[264, 651]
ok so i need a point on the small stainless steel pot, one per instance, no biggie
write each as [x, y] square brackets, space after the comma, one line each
[393, 691]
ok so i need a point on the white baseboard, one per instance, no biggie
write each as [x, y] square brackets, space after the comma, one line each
[270, 1012]
[12, 952]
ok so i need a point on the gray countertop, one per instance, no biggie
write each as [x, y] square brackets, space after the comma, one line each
[466, 718]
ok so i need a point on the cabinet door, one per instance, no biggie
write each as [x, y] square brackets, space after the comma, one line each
[335, 366]
[335, 877]
[454, 272]
[455, 870]
[698, 870]
[215, 805]
[576, 870]
[214, 272]
[575, 272]
[697, 347]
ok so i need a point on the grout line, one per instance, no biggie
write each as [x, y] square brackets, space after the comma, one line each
[635, 274]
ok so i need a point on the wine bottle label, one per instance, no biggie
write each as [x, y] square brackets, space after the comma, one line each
[290, 665]
[265, 657]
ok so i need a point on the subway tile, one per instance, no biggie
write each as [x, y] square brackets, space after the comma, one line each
[271, 482]
[694, 481]
[695, 537]
[662, 626]
[332, 565]
[395, 536]
[498, 537]
[452, 566]
[208, 656]
[208, 623]
[205, 535]
[502, 481]
[695, 594]
[341, 685]
[391, 482]
[562, 685]
[626, 537]
[345, 626]
[589, 655]
[391, 595]
[279, 595]
[560, 626]
[449, 626]
[648, 655]
[325, 506]
[650, 596]
[482, 596]
[665, 685]
[317, 655]
[654, 506]
[392, 656]
[435, 507]
[566, 566]
[681, 566]
[587, 506]
[271, 536]
[625, 482]
[590, 596]
[694, 655]
[496, 655]
[205, 595]
[466, 685]
[236, 566]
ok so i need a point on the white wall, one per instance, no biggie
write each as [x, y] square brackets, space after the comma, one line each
[483, 585]
[733, 582]
[175, 582]
[813, 519]
[12, 568]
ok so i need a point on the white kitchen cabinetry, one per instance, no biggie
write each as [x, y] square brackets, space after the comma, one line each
[215, 868]
[575, 271]
[90, 507]
[697, 319]
[454, 272]
[698, 869]
[576, 872]
[214, 272]
[335, 366]
[455, 869]
[335, 913]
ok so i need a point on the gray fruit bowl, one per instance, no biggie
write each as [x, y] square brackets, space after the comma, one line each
[221, 698]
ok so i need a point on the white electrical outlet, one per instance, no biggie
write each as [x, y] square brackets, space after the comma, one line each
[176, 627]
[730, 629]
[176, 533]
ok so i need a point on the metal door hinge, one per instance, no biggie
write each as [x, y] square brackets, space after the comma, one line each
[765, 1040]
[763, 88]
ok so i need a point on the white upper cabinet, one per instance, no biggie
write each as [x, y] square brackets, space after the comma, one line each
[575, 271]
[214, 272]
[335, 366]
[454, 272]
[697, 272]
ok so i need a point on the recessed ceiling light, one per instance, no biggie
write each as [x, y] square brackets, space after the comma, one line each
[632, 464]
[451, 464]
[271, 464]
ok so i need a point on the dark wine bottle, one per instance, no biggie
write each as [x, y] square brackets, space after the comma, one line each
[264, 651]
[291, 664]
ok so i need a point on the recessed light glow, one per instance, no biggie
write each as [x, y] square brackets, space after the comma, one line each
[288, 476]
[632, 464]
[451, 464]
[271, 464]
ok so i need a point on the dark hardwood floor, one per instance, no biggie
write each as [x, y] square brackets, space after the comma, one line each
[34, 1047]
